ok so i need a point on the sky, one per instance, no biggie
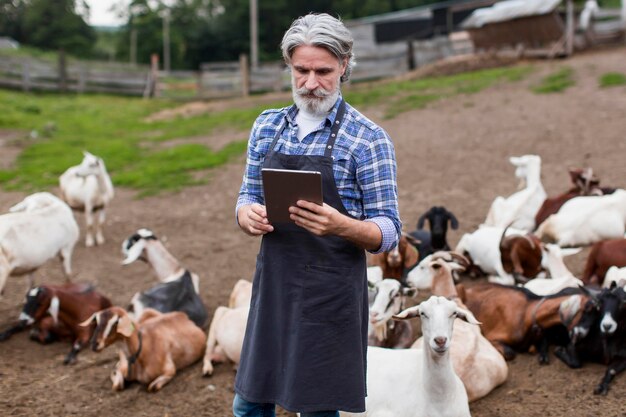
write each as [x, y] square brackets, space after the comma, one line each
[100, 14]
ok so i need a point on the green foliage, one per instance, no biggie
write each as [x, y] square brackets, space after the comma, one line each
[557, 82]
[612, 79]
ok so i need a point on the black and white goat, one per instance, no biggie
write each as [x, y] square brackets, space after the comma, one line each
[179, 288]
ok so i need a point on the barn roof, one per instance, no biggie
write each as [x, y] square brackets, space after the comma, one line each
[508, 10]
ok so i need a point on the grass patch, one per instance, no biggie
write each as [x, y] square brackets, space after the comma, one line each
[612, 79]
[57, 128]
[557, 82]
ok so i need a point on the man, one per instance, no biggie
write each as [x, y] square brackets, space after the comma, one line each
[306, 339]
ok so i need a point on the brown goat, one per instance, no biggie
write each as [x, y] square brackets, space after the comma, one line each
[514, 319]
[56, 311]
[603, 255]
[521, 256]
[585, 184]
[396, 262]
[155, 347]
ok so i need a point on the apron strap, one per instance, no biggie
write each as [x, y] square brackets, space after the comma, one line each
[333, 131]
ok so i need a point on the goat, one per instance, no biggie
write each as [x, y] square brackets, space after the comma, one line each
[38, 228]
[603, 255]
[483, 248]
[520, 208]
[178, 290]
[515, 319]
[435, 239]
[585, 220]
[615, 275]
[88, 188]
[419, 382]
[479, 365]
[585, 184]
[56, 312]
[396, 262]
[227, 329]
[155, 347]
[521, 256]
[561, 277]
[389, 301]
[600, 336]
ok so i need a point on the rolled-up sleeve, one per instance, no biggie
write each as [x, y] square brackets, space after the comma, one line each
[377, 178]
[251, 190]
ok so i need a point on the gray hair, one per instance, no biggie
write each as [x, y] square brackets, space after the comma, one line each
[322, 30]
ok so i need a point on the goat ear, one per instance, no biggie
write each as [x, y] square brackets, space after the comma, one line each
[125, 326]
[408, 313]
[55, 305]
[21, 206]
[454, 223]
[466, 315]
[88, 322]
[420, 221]
[134, 252]
[409, 292]
[374, 275]
[411, 256]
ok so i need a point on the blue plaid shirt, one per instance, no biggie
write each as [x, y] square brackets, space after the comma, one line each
[364, 164]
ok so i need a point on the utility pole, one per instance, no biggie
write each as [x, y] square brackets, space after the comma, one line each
[166, 40]
[254, 35]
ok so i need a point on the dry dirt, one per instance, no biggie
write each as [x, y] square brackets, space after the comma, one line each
[453, 153]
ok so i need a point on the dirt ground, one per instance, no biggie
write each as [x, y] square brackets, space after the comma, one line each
[453, 153]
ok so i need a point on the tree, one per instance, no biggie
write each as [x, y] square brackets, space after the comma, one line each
[11, 16]
[57, 25]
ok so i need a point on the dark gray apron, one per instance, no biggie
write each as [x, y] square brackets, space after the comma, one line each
[306, 340]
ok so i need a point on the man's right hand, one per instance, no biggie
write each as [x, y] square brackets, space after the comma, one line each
[252, 219]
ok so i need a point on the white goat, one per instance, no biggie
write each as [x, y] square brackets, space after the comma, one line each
[87, 187]
[419, 382]
[615, 274]
[561, 277]
[228, 327]
[590, 10]
[520, 208]
[389, 301]
[585, 220]
[483, 247]
[36, 229]
[474, 359]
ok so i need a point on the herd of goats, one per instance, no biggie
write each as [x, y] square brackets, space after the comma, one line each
[529, 301]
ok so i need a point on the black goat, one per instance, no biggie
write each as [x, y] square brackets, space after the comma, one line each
[600, 336]
[435, 240]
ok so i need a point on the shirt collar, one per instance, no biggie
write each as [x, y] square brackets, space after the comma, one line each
[330, 119]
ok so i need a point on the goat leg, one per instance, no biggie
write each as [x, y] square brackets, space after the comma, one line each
[616, 367]
[121, 368]
[542, 350]
[568, 355]
[169, 370]
[71, 357]
[5, 335]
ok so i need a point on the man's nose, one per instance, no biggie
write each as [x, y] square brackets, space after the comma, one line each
[311, 81]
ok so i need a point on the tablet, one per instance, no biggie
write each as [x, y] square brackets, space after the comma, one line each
[283, 187]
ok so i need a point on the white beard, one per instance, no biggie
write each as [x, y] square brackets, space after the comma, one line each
[319, 105]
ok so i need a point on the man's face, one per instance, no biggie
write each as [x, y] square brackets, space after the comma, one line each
[315, 76]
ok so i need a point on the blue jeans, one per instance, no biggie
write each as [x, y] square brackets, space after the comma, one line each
[243, 408]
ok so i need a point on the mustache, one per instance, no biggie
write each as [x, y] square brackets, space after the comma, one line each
[318, 92]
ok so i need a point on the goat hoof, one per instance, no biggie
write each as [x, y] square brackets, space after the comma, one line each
[601, 390]
[4, 336]
[69, 361]
[89, 242]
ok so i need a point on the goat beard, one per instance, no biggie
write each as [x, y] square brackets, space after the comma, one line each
[317, 102]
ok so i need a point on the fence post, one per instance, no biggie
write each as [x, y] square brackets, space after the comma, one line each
[82, 79]
[199, 83]
[62, 71]
[245, 75]
[26, 75]
[569, 28]
[151, 84]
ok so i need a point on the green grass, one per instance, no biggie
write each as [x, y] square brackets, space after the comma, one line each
[556, 82]
[612, 79]
[137, 152]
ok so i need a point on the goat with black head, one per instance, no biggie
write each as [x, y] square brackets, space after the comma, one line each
[438, 218]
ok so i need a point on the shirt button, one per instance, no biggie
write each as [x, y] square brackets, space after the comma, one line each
[329, 146]
[332, 135]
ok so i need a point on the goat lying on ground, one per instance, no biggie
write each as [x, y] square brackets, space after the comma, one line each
[36, 229]
[603, 255]
[585, 184]
[155, 347]
[513, 318]
[479, 365]
[396, 262]
[560, 276]
[435, 239]
[520, 208]
[600, 336]
[88, 188]
[521, 256]
[178, 290]
[586, 220]
[383, 331]
[56, 311]
[228, 328]
[419, 382]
